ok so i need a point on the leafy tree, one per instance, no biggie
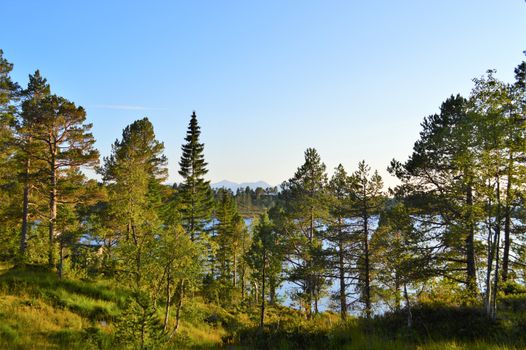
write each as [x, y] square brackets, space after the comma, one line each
[229, 234]
[400, 257]
[180, 260]
[133, 173]
[264, 258]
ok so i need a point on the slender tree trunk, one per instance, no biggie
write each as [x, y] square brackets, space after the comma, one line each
[367, 271]
[490, 252]
[341, 268]
[507, 221]
[52, 210]
[397, 291]
[235, 270]
[262, 316]
[497, 251]
[242, 273]
[180, 298]
[471, 274]
[168, 301]
[310, 277]
[61, 261]
[408, 305]
[242, 283]
[25, 209]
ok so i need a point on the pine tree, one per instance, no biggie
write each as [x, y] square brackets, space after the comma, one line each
[61, 127]
[133, 173]
[367, 199]
[441, 175]
[305, 200]
[195, 193]
[8, 90]
[338, 234]
[9, 200]
[29, 149]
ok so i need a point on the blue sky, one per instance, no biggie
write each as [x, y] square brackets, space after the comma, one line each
[267, 79]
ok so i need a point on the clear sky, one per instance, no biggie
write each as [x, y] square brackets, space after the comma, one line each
[267, 78]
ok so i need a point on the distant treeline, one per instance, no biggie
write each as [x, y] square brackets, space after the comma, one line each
[252, 202]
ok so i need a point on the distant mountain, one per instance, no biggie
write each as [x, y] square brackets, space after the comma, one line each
[233, 186]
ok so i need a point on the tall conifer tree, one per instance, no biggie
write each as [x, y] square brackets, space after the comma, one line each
[61, 126]
[305, 197]
[29, 149]
[195, 193]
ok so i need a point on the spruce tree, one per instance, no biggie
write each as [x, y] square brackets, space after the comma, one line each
[194, 193]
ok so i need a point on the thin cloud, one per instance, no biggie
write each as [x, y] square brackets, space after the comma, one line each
[126, 107]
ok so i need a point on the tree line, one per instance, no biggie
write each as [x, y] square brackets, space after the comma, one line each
[453, 229]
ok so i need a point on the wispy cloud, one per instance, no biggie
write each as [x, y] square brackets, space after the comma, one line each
[127, 107]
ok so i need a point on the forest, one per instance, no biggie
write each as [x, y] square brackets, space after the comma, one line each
[330, 259]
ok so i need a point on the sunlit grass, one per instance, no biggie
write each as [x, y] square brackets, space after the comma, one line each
[39, 311]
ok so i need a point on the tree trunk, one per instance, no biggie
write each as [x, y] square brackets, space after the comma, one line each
[262, 316]
[408, 305]
[490, 252]
[341, 268]
[310, 277]
[471, 274]
[52, 211]
[367, 271]
[61, 261]
[497, 249]
[507, 221]
[235, 270]
[25, 210]
[179, 307]
[397, 292]
[168, 301]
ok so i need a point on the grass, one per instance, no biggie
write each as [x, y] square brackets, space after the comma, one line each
[39, 311]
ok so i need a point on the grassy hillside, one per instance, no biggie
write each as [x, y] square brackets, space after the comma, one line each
[38, 311]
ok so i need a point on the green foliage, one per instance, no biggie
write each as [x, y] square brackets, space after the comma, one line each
[143, 264]
[138, 327]
[195, 194]
[305, 210]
